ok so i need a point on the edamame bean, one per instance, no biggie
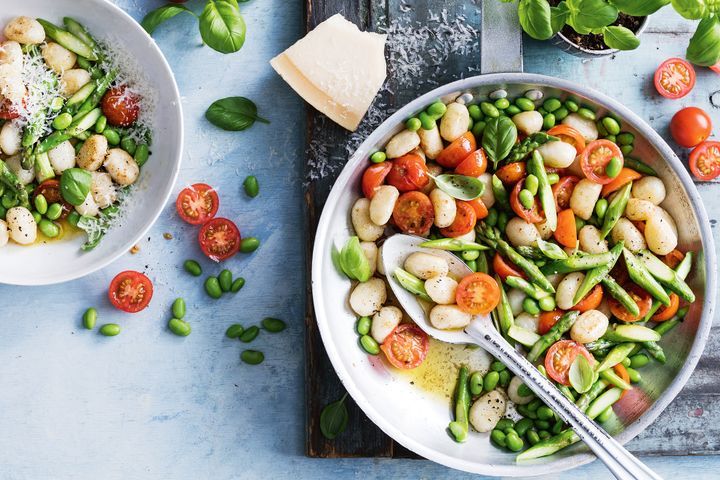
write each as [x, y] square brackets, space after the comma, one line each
[212, 287]
[89, 318]
[249, 334]
[273, 325]
[225, 280]
[502, 103]
[498, 438]
[36, 216]
[600, 208]
[532, 437]
[426, 121]
[523, 425]
[545, 413]
[437, 110]
[237, 285]
[3, 212]
[605, 415]
[56, 104]
[625, 362]
[602, 132]
[129, 145]
[110, 329]
[73, 218]
[512, 110]
[553, 178]
[142, 153]
[234, 331]
[193, 268]
[527, 199]
[544, 434]
[2, 189]
[524, 391]
[611, 125]
[625, 138]
[579, 223]
[178, 308]
[471, 122]
[489, 110]
[525, 104]
[492, 217]
[363, 325]
[572, 105]
[179, 327]
[251, 186]
[478, 128]
[101, 124]
[505, 378]
[531, 184]
[497, 366]
[613, 167]
[113, 137]
[252, 357]
[547, 304]
[626, 149]
[611, 138]
[504, 423]
[525, 411]
[548, 121]
[561, 113]
[48, 228]
[413, 124]
[41, 204]
[469, 255]
[54, 211]
[514, 442]
[542, 424]
[9, 200]
[558, 427]
[634, 375]
[378, 157]
[475, 112]
[510, 430]
[472, 265]
[639, 360]
[491, 381]
[476, 383]
[552, 104]
[62, 121]
[249, 244]
[530, 306]
[369, 344]
[586, 113]
[502, 220]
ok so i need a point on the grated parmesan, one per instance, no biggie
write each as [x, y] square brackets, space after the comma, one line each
[42, 88]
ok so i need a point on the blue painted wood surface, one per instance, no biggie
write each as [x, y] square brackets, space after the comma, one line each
[147, 404]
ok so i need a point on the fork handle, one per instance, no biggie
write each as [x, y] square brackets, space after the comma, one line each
[623, 464]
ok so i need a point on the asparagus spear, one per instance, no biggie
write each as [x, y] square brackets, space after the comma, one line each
[616, 209]
[12, 182]
[68, 40]
[452, 244]
[595, 276]
[459, 427]
[552, 336]
[640, 275]
[577, 263]
[536, 167]
[621, 295]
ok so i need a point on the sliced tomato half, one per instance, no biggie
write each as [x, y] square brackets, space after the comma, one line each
[408, 173]
[530, 215]
[406, 347]
[465, 220]
[505, 268]
[562, 191]
[413, 213]
[641, 297]
[50, 189]
[512, 173]
[674, 78]
[457, 151]
[568, 134]
[595, 158]
[130, 291]
[374, 176]
[197, 203]
[561, 356]
[548, 320]
[477, 294]
[705, 161]
[219, 239]
[474, 164]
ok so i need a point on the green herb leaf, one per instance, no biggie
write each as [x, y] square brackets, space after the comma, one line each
[353, 261]
[620, 37]
[411, 283]
[535, 18]
[639, 8]
[233, 113]
[461, 187]
[586, 15]
[160, 15]
[704, 47]
[498, 138]
[222, 27]
[558, 17]
[690, 9]
[334, 419]
[75, 185]
[550, 250]
[581, 374]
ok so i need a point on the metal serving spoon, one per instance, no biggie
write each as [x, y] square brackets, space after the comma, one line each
[482, 332]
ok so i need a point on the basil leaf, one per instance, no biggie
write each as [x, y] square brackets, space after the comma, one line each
[461, 187]
[620, 37]
[498, 138]
[535, 18]
[690, 9]
[704, 47]
[354, 262]
[154, 18]
[75, 185]
[588, 14]
[581, 374]
[233, 113]
[222, 27]
[558, 17]
[334, 419]
[550, 250]
[639, 8]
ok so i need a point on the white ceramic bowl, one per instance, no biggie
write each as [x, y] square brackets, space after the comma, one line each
[62, 260]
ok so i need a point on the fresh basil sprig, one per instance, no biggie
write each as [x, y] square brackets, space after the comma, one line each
[639, 8]
[704, 47]
[535, 18]
[75, 185]
[233, 113]
[461, 187]
[620, 38]
[160, 15]
[498, 139]
[352, 261]
[581, 374]
[334, 418]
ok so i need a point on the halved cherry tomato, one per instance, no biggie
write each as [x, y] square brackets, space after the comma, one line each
[406, 347]
[120, 106]
[474, 164]
[548, 320]
[690, 126]
[50, 189]
[512, 173]
[568, 134]
[505, 268]
[641, 297]
[673, 258]
[130, 291]
[715, 68]
[622, 372]
[8, 111]
[590, 301]
[626, 175]
[532, 215]
[457, 151]
[674, 78]
[559, 358]
[481, 211]
[477, 294]
[197, 203]
[374, 176]
[705, 161]
[465, 220]
[219, 239]
[408, 173]
[413, 213]
[566, 232]
[595, 158]
[666, 313]
[562, 191]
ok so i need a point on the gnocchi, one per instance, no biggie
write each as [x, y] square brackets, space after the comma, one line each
[487, 197]
[10, 138]
[370, 250]
[441, 289]
[660, 237]
[445, 208]
[566, 289]
[4, 233]
[431, 142]
[521, 233]
[73, 80]
[446, 317]
[638, 209]
[589, 326]
[364, 227]
[425, 266]
[591, 240]
[515, 396]
[93, 152]
[557, 154]
[584, 197]
[58, 57]
[384, 322]
[487, 411]
[455, 122]
[651, 189]
[21, 225]
[383, 203]
[627, 232]
[62, 157]
[585, 126]
[528, 122]
[402, 144]
[25, 30]
[368, 297]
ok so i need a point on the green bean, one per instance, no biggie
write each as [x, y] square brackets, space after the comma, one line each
[530, 306]
[613, 167]
[251, 186]
[237, 285]
[89, 318]
[212, 287]
[13, 184]
[378, 157]
[110, 329]
[225, 280]
[498, 438]
[437, 109]
[536, 167]
[369, 344]
[491, 380]
[639, 166]
[192, 267]
[178, 308]
[249, 244]
[129, 145]
[41, 204]
[413, 124]
[549, 445]
[249, 334]
[142, 153]
[553, 335]
[524, 104]
[615, 209]
[252, 357]
[274, 325]
[112, 136]
[179, 327]
[595, 275]
[234, 331]
[460, 425]
[48, 228]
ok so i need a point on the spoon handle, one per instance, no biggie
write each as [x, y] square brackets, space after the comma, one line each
[621, 463]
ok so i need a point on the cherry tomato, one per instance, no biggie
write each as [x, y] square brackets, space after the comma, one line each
[568, 134]
[197, 203]
[622, 372]
[120, 106]
[559, 358]
[548, 320]
[505, 268]
[50, 189]
[641, 297]
[531, 215]
[590, 301]
[673, 258]
[408, 173]
[477, 294]
[666, 313]
[465, 220]
[674, 78]
[626, 175]
[512, 173]
[406, 347]
[457, 151]
[566, 231]
[690, 126]
[474, 164]
[595, 158]
[562, 191]
[374, 176]
[705, 161]
[716, 68]
[219, 239]
[130, 291]
[481, 211]
[413, 213]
